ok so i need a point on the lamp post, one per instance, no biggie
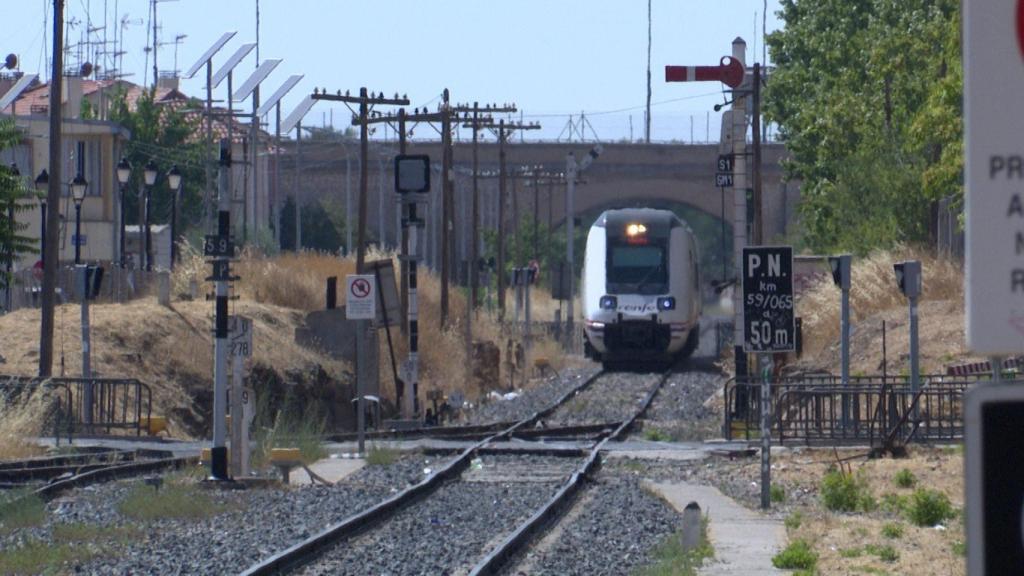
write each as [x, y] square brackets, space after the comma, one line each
[174, 183]
[42, 184]
[78, 187]
[11, 226]
[149, 175]
[124, 172]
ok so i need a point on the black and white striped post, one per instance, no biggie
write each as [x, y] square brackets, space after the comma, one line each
[412, 182]
[219, 247]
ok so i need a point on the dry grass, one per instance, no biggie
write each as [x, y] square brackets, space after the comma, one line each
[921, 550]
[874, 298]
[18, 421]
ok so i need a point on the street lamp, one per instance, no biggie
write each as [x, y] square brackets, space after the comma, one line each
[149, 175]
[124, 173]
[174, 183]
[42, 184]
[78, 187]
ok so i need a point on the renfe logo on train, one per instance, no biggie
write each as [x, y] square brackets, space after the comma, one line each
[768, 321]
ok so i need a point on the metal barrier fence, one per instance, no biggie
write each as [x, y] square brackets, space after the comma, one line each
[118, 403]
[873, 410]
[118, 285]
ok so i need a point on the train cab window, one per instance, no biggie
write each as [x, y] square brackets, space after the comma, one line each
[637, 269]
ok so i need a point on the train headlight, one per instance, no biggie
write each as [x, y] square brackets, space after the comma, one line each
[668, 303]
[635, 229]
[609, 302]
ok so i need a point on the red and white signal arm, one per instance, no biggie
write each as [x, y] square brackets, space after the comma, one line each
[993, 39]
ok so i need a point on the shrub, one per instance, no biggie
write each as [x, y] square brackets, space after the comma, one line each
[929, 507]
[892, 530]
[797, 556]
[794, 520]
[656, 435]
[905, 479]
[960, 548]
[895, 503]
[885, 553]
[381, 456]
[778, 494]
[844, 492]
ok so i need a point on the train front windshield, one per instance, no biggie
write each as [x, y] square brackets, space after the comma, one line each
[638, 269]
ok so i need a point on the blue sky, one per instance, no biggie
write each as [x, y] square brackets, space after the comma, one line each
[552, 58]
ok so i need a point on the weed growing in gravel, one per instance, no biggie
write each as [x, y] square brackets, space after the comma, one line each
[929, 507]
[843, 491]
[960, 548]
[851, 552]
[905, 478]
[794, 520]
[381, 456]
[39, 558]
[798, 555]
[91, 533]
[672, 560]
[20, 509]
[895, 503]
[777, 493]
[885, 553]
[892, 530]
[287, 429]
[172, 501]
[656, 435]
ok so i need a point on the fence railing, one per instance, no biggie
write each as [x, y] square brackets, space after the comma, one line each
[871, 409]
[118, 285]
[118, 403]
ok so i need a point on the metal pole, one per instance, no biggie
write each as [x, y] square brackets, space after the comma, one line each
[766, 439]
[149, 237]
[739, 145]
[348, 203]
[122, 238]
[446, 139]
[536, 216]
[845, 351]
[474, 245]
[403, 262]
[725, 254]
[218, 453]
[381, 232]
[78, 233]
[362, 334]
[174, 225]
[237, 419]
[275, 216]
[208, 191]
[254, 127]
[756, 131]
[915, 374]
[364, 153]
[298, 185]
[83, 287]
[501, 219]
[570, 233]
[410, 406]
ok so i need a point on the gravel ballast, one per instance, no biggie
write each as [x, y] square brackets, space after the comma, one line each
[679, 411]
[452, 529]
[615, 530]
[527, 401]
[614, 397]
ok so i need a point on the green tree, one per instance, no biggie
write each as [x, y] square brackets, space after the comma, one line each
[867, 97]
[13, 194]
[162, 133]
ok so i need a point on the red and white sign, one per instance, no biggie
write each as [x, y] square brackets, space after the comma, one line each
[994, 175]
[729, 71]
[360, 300]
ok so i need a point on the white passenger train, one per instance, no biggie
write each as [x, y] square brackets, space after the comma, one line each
[641, 288]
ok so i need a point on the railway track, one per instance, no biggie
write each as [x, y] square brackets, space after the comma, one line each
[49, 476]
[486, 498]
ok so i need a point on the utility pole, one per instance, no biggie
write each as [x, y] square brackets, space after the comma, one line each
[503, 130]
[366, 102]
[476, 123]
[446, 208]
[572, 170]
[756, 131]
[51, 252]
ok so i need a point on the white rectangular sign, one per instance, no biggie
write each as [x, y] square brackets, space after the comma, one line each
[240, 334]
[360, 297]
[994, 175]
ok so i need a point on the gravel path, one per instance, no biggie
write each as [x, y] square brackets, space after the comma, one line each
[679, 413]
[452, 529]
[528, 401]
[613, 528]
[613, 398]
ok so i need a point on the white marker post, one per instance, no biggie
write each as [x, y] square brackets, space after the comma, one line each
[360, 305]
[240, 330]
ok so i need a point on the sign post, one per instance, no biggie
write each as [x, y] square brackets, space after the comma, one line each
[768, 299]
[360, 305]
[240, 331]
[412, 182]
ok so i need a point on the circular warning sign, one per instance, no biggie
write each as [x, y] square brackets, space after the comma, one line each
[360, 288]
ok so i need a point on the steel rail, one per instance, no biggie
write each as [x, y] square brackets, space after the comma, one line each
[62, 460]
[112, 472]
[545, 515]
[305, 551]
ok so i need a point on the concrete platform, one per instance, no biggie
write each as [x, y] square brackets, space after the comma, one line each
[330, 469]
[744, 541]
